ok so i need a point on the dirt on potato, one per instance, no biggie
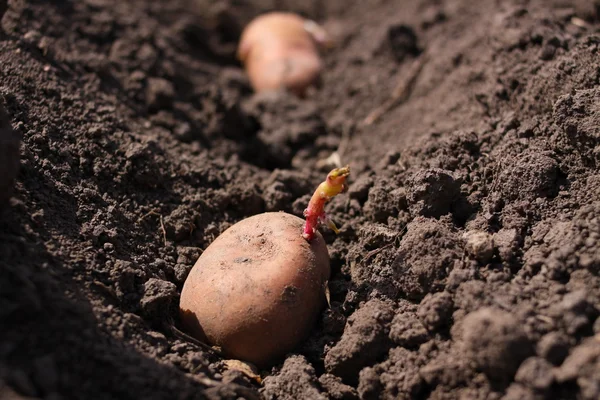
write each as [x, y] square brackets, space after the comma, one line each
[468, 260]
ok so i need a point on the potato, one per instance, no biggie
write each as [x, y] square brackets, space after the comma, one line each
[279, 52]
[257, 290]
[9, 156]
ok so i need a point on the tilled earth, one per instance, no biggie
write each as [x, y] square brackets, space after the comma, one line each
[468, 262]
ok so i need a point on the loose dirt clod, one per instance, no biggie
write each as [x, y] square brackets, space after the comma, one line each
[296, 380]
[583, 366]
[479, 245]
[435, 310]
[157, 298]
[365, 339]
[536, 373]
[432, 192]
[495, 342]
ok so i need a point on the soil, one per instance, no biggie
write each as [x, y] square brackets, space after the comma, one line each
[467, 264]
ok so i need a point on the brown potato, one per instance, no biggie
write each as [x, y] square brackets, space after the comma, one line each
[257, 289]
[279, 52]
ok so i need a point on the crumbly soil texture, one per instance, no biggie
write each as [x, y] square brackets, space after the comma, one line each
[468, 259]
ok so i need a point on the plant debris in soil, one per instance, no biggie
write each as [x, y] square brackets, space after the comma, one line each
[468, 259]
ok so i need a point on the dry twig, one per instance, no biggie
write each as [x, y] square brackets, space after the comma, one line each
[164, 231]
[162, 222]
[184, 336]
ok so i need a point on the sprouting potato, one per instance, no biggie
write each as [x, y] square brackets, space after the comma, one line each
[257, 290]
[281, 50]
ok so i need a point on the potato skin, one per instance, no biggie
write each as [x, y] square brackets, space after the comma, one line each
[257, 290]
[278, 52]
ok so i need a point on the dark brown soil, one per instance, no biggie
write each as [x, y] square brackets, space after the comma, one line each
[468, 262]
